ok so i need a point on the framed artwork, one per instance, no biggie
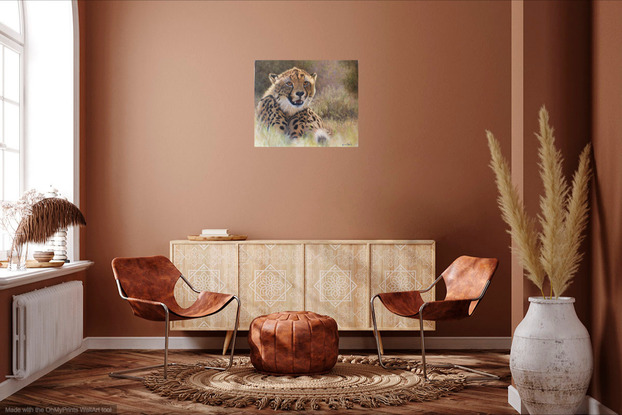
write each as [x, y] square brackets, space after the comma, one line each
[306, 103]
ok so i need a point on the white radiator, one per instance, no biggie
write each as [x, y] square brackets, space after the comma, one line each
[47, 326]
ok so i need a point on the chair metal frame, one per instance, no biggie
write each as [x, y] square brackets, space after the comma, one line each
[122, 374]
[488, 376]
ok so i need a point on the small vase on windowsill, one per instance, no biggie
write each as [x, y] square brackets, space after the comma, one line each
[17, 256]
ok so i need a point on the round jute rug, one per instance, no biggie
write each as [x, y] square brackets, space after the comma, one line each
[355, 380]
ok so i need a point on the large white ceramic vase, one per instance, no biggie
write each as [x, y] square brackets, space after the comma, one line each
[551, 357]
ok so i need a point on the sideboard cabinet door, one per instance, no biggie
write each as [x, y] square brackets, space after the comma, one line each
[208, 267]
[335, 278]
[401, 268]
[337, 283]
[271, 279]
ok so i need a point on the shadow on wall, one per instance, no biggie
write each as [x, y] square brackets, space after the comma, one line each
[608, 369]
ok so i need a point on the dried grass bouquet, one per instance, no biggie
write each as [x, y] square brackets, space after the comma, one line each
[11, 213]
[35, 218]
[554, 251]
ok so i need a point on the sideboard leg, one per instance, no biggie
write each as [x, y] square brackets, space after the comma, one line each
[225, 347]
[380, 343]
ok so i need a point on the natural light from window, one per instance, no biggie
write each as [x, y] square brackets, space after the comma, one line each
[9, 15]
[10, 121]
[38, 95]
[11, 109]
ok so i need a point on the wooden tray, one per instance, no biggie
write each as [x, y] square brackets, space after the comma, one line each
[217, 238]
[31, 263]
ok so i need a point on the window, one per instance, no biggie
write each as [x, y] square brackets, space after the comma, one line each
[11, 98]
[11, 18]
[10, 119]
[11, 93]
[38, 94]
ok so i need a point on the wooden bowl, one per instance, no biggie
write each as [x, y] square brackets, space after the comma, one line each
[43, 256]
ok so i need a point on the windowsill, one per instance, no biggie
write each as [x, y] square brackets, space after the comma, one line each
[10, 279]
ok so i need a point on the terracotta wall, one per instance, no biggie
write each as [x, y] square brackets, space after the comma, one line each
[557, 74]
[169, 134]
[6, 304]
[607, 202]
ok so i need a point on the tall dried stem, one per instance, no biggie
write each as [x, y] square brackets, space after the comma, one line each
[522, 228]
[575, 221]
[552, 202]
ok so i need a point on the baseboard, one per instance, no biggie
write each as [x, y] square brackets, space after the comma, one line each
[431, 343]
[155, 343]
[10, 386]
[589, 406]
[345, 343]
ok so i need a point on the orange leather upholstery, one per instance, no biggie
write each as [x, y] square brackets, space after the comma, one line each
[293, 343]
[153, 279]
[465, 279]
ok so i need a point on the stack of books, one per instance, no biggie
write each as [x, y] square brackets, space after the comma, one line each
[215, 232]
[216, 235]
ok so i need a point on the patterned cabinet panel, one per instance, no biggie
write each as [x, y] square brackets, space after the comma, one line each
[337, 283]
[271, 279]
[397, 267]
[208, 267]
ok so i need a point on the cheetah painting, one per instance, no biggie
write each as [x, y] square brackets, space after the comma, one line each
[306, 104]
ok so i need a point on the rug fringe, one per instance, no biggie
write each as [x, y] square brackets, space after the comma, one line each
[174, 388]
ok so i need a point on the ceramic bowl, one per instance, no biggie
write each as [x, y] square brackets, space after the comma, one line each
[43, 256]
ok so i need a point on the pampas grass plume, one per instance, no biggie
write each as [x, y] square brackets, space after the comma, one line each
[522, 228]
[554, 251]
[576, 218]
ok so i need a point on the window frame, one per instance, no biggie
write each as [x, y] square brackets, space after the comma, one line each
[10, 39]
[75, 232]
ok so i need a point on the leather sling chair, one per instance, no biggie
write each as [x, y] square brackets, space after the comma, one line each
[148, 283]
[466, 280]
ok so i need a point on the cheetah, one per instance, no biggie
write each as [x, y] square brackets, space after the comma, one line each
[285, 106]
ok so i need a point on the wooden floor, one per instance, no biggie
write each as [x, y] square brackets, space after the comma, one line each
[83, 382]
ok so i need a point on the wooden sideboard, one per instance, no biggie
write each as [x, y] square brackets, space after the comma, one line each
[336, 278]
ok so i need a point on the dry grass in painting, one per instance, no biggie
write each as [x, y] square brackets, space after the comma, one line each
[345, 135]
[554, 251]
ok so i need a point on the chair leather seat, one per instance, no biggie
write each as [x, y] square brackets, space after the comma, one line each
[206, 304]
[153, 279]
[408, 303]
[402, 303]
[465, 279]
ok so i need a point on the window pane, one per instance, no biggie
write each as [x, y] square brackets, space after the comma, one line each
[11, 175]
[11, 74]
[1, 69]
[9, 14]
[11, 125]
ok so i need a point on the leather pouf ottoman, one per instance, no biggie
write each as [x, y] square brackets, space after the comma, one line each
[293, 343]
